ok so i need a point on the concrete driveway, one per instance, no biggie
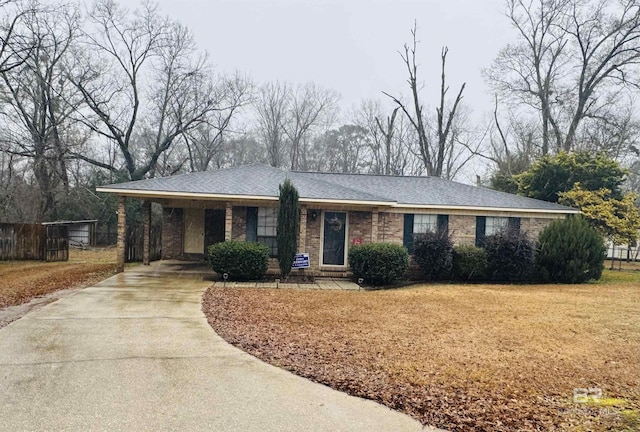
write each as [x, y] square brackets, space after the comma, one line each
[135, 352]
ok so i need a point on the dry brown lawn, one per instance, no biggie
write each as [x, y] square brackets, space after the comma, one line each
[20, 281]
[460, 357]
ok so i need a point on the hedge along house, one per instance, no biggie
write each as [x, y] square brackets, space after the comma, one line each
[337, 212]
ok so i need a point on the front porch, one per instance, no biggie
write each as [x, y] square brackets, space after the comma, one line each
[326, 232]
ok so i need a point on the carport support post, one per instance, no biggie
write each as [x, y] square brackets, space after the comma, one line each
[228, 221]
[146, 226]
[302, 231]
[302, 234]
[122, 232]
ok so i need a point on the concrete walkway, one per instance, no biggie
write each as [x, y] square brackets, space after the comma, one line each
[201, 270]
[135, 352]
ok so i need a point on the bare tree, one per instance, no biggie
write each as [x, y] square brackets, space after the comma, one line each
[271, 107]
[14, 43]
[148, 77]
[39, 101]
[571, 60]
[207, 141]
[434, 152]
[391, 139]
[308, 107]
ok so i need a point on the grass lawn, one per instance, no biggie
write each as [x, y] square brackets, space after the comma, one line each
[461, 357]
[20, 281]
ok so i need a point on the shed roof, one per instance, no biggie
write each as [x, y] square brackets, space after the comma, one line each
[261, 182]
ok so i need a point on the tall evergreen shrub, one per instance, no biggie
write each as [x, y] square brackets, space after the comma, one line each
[288, 226]
[570, 251]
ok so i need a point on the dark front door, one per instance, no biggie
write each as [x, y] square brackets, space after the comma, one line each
[333, 247]
[213, 227]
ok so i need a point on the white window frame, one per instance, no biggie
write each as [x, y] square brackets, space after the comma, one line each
[268, 231]
[346, 240]
[424, 223]
[495, 224]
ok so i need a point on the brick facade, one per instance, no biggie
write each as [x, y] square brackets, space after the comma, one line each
[121, 234]
[362, 225]
[462, 229]
[172, 235]
[313, 239]
[391, 227]
[359, 226]
[239, 224]
[533, 226]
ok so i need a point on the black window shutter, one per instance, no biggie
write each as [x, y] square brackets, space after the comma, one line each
[481, 223]
[514, 224]
[252, 224]
[443, 224]
[407, 240]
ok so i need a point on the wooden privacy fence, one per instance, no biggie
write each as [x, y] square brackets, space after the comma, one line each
[57, 243]
[33, 242]
[135, 240]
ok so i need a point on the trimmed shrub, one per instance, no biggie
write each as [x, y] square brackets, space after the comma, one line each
[240, 260]
[469, 263]
[570, 251]
[510, 256]
[433, 251]
[379, 263]
[288, 227]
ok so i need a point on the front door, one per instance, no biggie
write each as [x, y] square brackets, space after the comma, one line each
[214, 220]
[334, 238]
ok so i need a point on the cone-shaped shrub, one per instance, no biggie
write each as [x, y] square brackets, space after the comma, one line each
[570, 251]
[288, 227]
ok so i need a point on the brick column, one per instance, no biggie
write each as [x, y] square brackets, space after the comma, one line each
[374, 225]
[228, 222]
[122, 232]
[146, 227]
[302, 232]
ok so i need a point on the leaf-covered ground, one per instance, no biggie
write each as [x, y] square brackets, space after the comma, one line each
[20, 281]
[468, 358]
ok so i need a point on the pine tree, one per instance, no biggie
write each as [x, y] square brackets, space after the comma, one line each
[570, 251]
[288, 226]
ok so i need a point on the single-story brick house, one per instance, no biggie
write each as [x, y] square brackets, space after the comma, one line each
[337, 211]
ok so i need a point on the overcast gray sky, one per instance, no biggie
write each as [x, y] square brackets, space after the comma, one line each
[350, 45]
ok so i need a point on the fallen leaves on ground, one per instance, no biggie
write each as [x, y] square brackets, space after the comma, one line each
[20, 281]
[467, 358]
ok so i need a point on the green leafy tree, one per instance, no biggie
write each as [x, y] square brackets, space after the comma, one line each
[616, 219]
[551, 175]
[570, 251]
[288, 226]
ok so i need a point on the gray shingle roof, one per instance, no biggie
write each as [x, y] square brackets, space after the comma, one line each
[263, 181]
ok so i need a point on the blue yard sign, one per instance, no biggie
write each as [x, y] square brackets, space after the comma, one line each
[301, 261]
